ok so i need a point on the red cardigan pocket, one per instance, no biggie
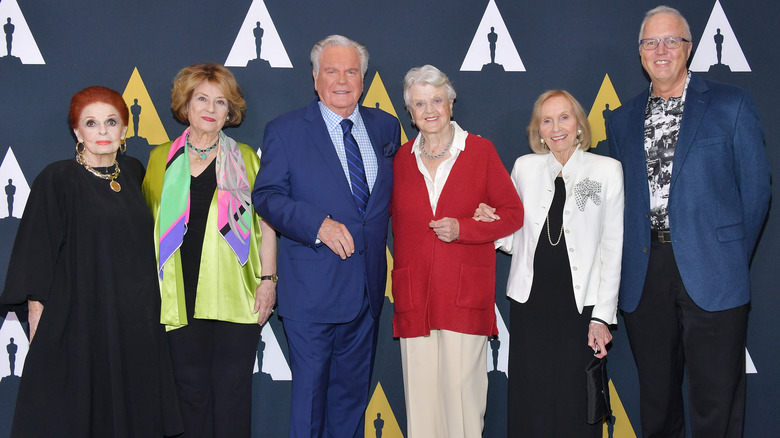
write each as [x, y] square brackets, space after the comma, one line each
[402, 290]
[477, 287]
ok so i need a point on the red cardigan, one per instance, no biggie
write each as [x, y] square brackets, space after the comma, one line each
[451, 286]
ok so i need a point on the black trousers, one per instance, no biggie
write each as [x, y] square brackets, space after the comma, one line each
[668, 333]
[212, 366]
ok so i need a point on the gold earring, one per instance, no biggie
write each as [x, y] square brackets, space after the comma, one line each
[123, 146]
[80, 148]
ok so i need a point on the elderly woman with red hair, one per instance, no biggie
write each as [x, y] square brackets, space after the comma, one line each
[83, 260]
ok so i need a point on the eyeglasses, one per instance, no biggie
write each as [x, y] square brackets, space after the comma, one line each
[671, 42]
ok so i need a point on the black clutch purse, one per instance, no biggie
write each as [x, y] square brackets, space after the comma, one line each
[598, 390]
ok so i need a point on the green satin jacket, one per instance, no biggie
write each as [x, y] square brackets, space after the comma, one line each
[226, 290]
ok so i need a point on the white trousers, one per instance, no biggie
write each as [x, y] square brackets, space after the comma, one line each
[445, 384]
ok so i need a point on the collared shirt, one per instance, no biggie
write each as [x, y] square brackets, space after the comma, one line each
[333, 123]
[662, 126]
[435, 183]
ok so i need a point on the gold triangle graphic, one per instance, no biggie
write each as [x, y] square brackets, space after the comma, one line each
[621, 425]
[376, 97]
[606, 100]
[150, 127]
[380, 416]
[389, 286]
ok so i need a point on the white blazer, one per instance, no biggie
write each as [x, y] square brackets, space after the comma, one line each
[592, 221]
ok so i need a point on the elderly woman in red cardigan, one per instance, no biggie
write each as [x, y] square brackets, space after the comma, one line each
[444, 272]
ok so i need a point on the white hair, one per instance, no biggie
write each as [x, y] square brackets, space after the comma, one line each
[338, 40]
[426, 75]
[666, 10]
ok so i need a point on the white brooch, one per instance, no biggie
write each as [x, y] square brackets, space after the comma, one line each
[587, 189]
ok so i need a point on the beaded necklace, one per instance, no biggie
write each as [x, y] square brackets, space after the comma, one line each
[201, 154]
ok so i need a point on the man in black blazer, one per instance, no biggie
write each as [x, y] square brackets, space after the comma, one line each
[697, 192]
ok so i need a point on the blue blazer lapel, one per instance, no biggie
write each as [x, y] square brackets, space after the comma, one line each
[376, 143]
[321, 142]
[371, 128]
[696, 102]
[635, 152]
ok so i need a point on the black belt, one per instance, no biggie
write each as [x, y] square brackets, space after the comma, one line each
[661, 236]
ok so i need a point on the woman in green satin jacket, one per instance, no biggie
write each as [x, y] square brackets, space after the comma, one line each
[216, 257]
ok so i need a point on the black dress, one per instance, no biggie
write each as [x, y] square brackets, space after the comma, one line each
[548, 347]
[99, 364]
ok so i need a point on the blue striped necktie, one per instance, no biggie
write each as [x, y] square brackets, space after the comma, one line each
[357, 173]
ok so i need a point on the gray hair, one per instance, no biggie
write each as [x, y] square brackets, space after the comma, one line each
[338, 40]
[426, 75]
[666, 10]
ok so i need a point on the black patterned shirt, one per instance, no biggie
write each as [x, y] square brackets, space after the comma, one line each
[662, 126]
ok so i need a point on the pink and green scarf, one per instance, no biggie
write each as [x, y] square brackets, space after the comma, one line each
[234, 215]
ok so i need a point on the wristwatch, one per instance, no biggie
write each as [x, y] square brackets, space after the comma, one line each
[271, 277]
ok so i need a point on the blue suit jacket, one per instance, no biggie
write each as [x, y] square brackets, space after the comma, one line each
[300, 183]
[718, 198]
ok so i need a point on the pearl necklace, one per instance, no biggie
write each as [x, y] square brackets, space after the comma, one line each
[443, 152]
[112, 176]
[549, 238]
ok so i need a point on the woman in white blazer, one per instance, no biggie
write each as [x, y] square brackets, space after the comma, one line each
[565, 270]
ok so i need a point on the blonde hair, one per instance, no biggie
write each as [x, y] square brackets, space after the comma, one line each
[534, 137]
[188, 78]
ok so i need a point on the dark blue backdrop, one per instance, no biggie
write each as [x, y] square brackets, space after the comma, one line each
[562, 44]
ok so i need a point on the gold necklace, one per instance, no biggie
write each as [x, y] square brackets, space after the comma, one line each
[112, 176]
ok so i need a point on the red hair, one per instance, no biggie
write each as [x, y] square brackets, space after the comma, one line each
[94, 94]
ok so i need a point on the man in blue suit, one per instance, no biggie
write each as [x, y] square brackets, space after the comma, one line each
[697, 193]
[325, 183]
